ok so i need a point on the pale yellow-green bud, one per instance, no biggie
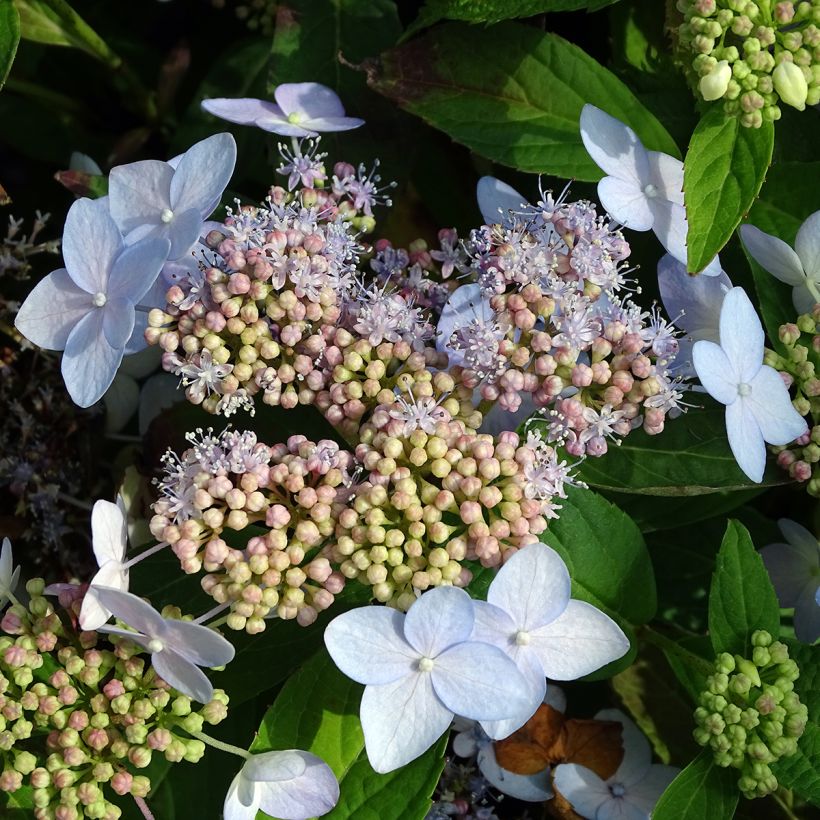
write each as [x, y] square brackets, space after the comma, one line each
[713, 86]
[790, 83]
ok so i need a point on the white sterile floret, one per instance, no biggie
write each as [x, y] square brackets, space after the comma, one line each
[794, 568]
[643, 189]
[530, 615]
[799, 268]
[758, 407]
[178, 648]
[631, 793]
[8, 573]
[419, 670]
[290, 784]
[87, 309]
[109, 539]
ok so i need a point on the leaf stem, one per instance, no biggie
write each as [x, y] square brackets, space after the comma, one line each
[218, 744]
[784, 806]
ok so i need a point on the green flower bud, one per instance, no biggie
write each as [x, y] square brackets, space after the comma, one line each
[790, 83]
[713, 86]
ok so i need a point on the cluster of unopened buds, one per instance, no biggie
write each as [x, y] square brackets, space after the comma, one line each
[801, 340]
[753, 55]
[82, 716]
[750, 716]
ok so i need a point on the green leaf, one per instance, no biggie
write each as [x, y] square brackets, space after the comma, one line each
[742, 598]
[701, 790]
[403, 793]
[318, 711]
[41, 24]
[606, 556]
[9, 37]
[799, 772]
[690, 457]
[520, 108]
[723, 171]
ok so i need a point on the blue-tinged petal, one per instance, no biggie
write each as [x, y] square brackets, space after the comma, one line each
[83, 162]
[801, 539]
[613, 146]
[401, 720]
[671, 228]
[202, 175]
[493, 625]
[310, 100]
[496, 199]
[131, 610]
[368, 645]
[619, 808]
[772, 408]
[802, 297]
[746, 440]
[154, 298]
[480, 682]
[465, 305]
[533, 587]
[276, 765]
[89, 361]
[807, 615]
[441, 617]
[773, 255]
[93, 614]
[198, 644]
[579, 641]
[91, 242]
[313, 793]
[533, 788]
[331, 124]
[807, 245]
[52, 309]
[284, 128]
[637, 755]
[240, 803]
[183, 231]
[626, 202]
[241, 110]
[715, 371]
[645, 794]
[108, 532]
[741, 334]
[790, 570]
[183, 675]
[666, 174]
[136, 269]
[582, 787]
[118, 322]
[139, 193]
[530, 668]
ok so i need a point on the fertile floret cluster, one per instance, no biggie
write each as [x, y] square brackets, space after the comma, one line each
[81, 716]
[750, 716]
[798, 368]
[753, 55]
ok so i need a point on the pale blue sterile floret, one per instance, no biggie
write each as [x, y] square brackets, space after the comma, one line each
[8, 573]
[758, 407]
[419, 670]
[794, 568]
[290, 784]
[300, 110]
[798, 267]
[643, 190]
[87, 309]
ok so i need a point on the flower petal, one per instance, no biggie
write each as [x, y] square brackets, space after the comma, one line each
[746, 440]
[332, 124]
[772, 408]
[89, 361]
[478, 681]
[741, 334]
[234, 807]
[533, 587]
[108, 532]
[183, 232]
[183, 675]
[438, 619]
[807, 245]
[308, 99]
[311, 794]
[625, 202]
[619, 808]
[533, 788]
[464, 305]
[368, 645]
[666, 174]
[242, 110]
[202, 175]
[773, 255]
[93, 614]
[136, 269]
[496, 199]
[581, 640]
[274, 125]
[671, 228]
[52, 309]
[790, 570]
[276, 765]
[118, 322]
[493, 625]
[138, 194]
[401, 720]
[90, 244]
[613, 146]
[131, 610]
[715, 371]
[6, 564]
[198, 644]
[645, 794]
[637, 755]
[801, 539]
[582, 787]
[807, 615]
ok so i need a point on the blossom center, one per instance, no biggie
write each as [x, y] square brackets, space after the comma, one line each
[155, 645]
[166, 215]
[617, 790]
[295, 117]
[99, 299]
[522, 638]
[650, 190]
[744, 389]
[426, 665]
